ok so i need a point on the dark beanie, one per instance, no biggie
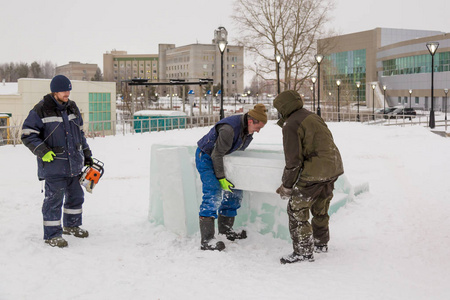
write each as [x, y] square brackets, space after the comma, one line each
[60, 83]
[259, 113]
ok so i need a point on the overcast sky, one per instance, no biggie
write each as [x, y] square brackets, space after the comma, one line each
[82, 30]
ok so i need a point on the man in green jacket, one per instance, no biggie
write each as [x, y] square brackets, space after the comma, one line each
[313, 164]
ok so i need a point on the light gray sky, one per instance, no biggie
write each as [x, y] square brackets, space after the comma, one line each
[82, 30]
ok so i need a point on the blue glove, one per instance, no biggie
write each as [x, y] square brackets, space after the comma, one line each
[226, 185]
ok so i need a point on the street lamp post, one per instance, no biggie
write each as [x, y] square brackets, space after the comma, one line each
[220, 35]
[278, 60]
[373, 101]
[314, 79]
[410, 93]
[446, 92]
[312, 102]
[358, 84]
[384, 99]
[432, 48]
[338, 83]
[319, 58]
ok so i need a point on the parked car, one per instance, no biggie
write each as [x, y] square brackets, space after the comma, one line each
[385, 110]
[402, 112]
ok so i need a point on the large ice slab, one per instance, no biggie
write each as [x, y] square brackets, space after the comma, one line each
[176, 189]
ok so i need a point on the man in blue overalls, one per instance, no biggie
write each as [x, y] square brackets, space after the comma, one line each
[228, 135]
[53, 131]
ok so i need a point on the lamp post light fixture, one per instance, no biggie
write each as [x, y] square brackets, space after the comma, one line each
[373, 101]
[318, 58]
[220, 36]
[358, 85]
[432, 48]
[338, 83]
[278, 60]
[446, 92]
[314, 79]
[410, 93]
[384, 99]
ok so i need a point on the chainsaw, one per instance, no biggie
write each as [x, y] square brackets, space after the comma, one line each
[91, 175]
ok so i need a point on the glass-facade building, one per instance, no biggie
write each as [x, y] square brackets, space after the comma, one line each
[395, 58]
[349, 67]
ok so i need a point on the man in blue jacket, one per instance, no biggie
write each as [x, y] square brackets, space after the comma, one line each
[228, 135]
[53, 131]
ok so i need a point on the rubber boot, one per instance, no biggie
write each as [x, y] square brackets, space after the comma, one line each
[226, 227]
[207, 235]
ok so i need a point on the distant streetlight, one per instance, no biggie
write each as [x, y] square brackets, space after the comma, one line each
[358, 85]
[220, 35]
[373, 101]
[432, 48]
[446, 92]
[338, 83]
[410, 93]
[319, 58]
[312, 92]
[314, 79]
[257, 83]
[278, 60]
[384, 99]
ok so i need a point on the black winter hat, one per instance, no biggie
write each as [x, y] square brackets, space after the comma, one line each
[60, 83]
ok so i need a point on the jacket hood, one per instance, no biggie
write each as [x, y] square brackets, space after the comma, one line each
[286, 103]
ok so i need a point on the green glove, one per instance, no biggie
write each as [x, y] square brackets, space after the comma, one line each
[226, 185]
[48, 157]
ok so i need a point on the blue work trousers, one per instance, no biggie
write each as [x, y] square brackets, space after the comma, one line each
[57, 190]
[214, 198]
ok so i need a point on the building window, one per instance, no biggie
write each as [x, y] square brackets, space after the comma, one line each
[99, 111]
[416, 64]
[349, 67]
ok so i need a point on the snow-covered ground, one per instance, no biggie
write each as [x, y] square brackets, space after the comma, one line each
[390, 243]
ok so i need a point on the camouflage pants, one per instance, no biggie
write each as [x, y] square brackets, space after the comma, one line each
[314, 197]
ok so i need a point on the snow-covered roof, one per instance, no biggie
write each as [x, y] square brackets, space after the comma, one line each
[9, 88]
[166, 113]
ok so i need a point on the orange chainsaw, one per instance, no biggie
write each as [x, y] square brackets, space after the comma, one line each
[91, 175]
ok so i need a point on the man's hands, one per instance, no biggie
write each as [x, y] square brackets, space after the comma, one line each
[88, 161]
[284, 192]
[48, 157]
[226, 185]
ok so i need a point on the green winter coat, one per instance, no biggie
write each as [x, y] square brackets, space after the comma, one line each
[309, 147]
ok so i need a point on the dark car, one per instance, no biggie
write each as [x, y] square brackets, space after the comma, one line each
[383, 111]
[402, 112]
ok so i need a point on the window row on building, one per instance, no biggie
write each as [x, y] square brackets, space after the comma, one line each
[416, 64]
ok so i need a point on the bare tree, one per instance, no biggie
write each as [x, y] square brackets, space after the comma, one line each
[11, 72]
[288, 27]
[22, 70]
[35, 70]
[48, 69]
[98, 75]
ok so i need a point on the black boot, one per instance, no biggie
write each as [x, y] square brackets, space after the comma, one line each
[207, 234]
[226, 227]
[294, 257]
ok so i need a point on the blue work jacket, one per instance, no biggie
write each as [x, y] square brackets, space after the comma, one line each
[52, 126]
[241, 140]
